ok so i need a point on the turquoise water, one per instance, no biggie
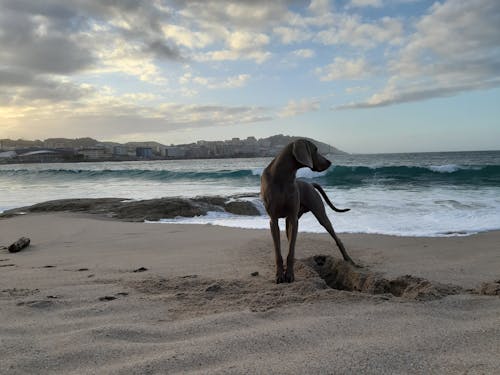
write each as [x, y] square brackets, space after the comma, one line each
[404, 194]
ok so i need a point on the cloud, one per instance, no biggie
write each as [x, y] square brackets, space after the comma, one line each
[319, 6]
[393, 95]
[186, 37]
[343, 69]
[111, 115]
[53, 41]
[241, 45]
[38, 44]
[233, 55]
[241, 15]
[455, 48]
[351, 30]
[304, 53]
[289, 35]
[239, 80]
[356, 89]
[366, 3]
[245, 40]
[299, 107]
[21, 87]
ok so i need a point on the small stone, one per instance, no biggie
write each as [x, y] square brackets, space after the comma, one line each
[256, 273]
[19, 245]
[213, 288]
[107, 298]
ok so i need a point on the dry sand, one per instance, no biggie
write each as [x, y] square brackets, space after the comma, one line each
[71, 303]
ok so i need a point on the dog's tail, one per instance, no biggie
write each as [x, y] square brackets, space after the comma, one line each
[325, 197]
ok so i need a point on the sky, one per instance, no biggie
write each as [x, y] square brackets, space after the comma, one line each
[365, 76]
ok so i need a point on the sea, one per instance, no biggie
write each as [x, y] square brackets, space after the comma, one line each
[410, 194]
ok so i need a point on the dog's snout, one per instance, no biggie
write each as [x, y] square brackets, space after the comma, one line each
[322, 164]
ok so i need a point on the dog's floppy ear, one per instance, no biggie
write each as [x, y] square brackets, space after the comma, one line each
[302, 153]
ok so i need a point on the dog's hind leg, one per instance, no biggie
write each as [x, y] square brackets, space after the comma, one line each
[320, 214]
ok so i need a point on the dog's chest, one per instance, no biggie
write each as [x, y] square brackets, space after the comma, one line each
[281, 200]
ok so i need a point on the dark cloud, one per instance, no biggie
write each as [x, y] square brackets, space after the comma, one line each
[21, 87]
[160, 49]
[58, 37]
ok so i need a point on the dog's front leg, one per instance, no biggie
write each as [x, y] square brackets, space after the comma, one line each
[292, 224]
[275, 232]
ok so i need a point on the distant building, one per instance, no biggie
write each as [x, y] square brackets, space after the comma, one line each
[120, 150]
[144, 152]
[197, 152]
[93, 153]
[175, 152]
[8, 154]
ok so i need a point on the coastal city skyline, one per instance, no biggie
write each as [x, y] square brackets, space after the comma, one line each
[367, 76]
[89, 149]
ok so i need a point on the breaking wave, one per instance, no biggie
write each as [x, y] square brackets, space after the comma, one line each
[344, 176]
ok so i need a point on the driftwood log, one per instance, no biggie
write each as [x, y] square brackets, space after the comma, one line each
[19, 245]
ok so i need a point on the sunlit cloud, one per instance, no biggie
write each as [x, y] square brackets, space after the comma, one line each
[344, 69]
[299, 107]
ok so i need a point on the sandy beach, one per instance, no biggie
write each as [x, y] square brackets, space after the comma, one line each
[93, 295]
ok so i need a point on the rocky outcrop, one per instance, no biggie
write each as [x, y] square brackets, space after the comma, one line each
[150, 209]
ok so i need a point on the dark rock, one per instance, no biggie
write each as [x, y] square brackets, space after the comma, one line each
[156, 209]
[39, 304]
[150, 209]
[490, 289]
[142, 269]
[213, 288]
[107, 298]
[255, 273]
[241, 208]
[19, 245]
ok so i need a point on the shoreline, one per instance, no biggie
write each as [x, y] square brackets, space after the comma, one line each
[179, 210]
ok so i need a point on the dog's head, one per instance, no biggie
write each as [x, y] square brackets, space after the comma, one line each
[306, 153]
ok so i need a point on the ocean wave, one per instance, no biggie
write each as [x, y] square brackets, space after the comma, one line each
[339, 175]
[444, 174]
[447, 168]
[147, 174]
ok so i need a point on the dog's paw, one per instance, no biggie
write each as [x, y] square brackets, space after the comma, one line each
[289, 276]
[354, 264]
[280, 278]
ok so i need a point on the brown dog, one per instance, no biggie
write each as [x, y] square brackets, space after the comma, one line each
[286, 197]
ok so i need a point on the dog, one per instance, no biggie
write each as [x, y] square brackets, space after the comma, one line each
[286, 197]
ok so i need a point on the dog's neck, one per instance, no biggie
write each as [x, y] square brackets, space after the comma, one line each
[284, 167]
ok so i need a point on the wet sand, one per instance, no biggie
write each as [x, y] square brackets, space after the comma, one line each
[100, 296]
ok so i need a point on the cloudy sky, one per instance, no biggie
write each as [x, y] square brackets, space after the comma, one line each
[363, 75]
